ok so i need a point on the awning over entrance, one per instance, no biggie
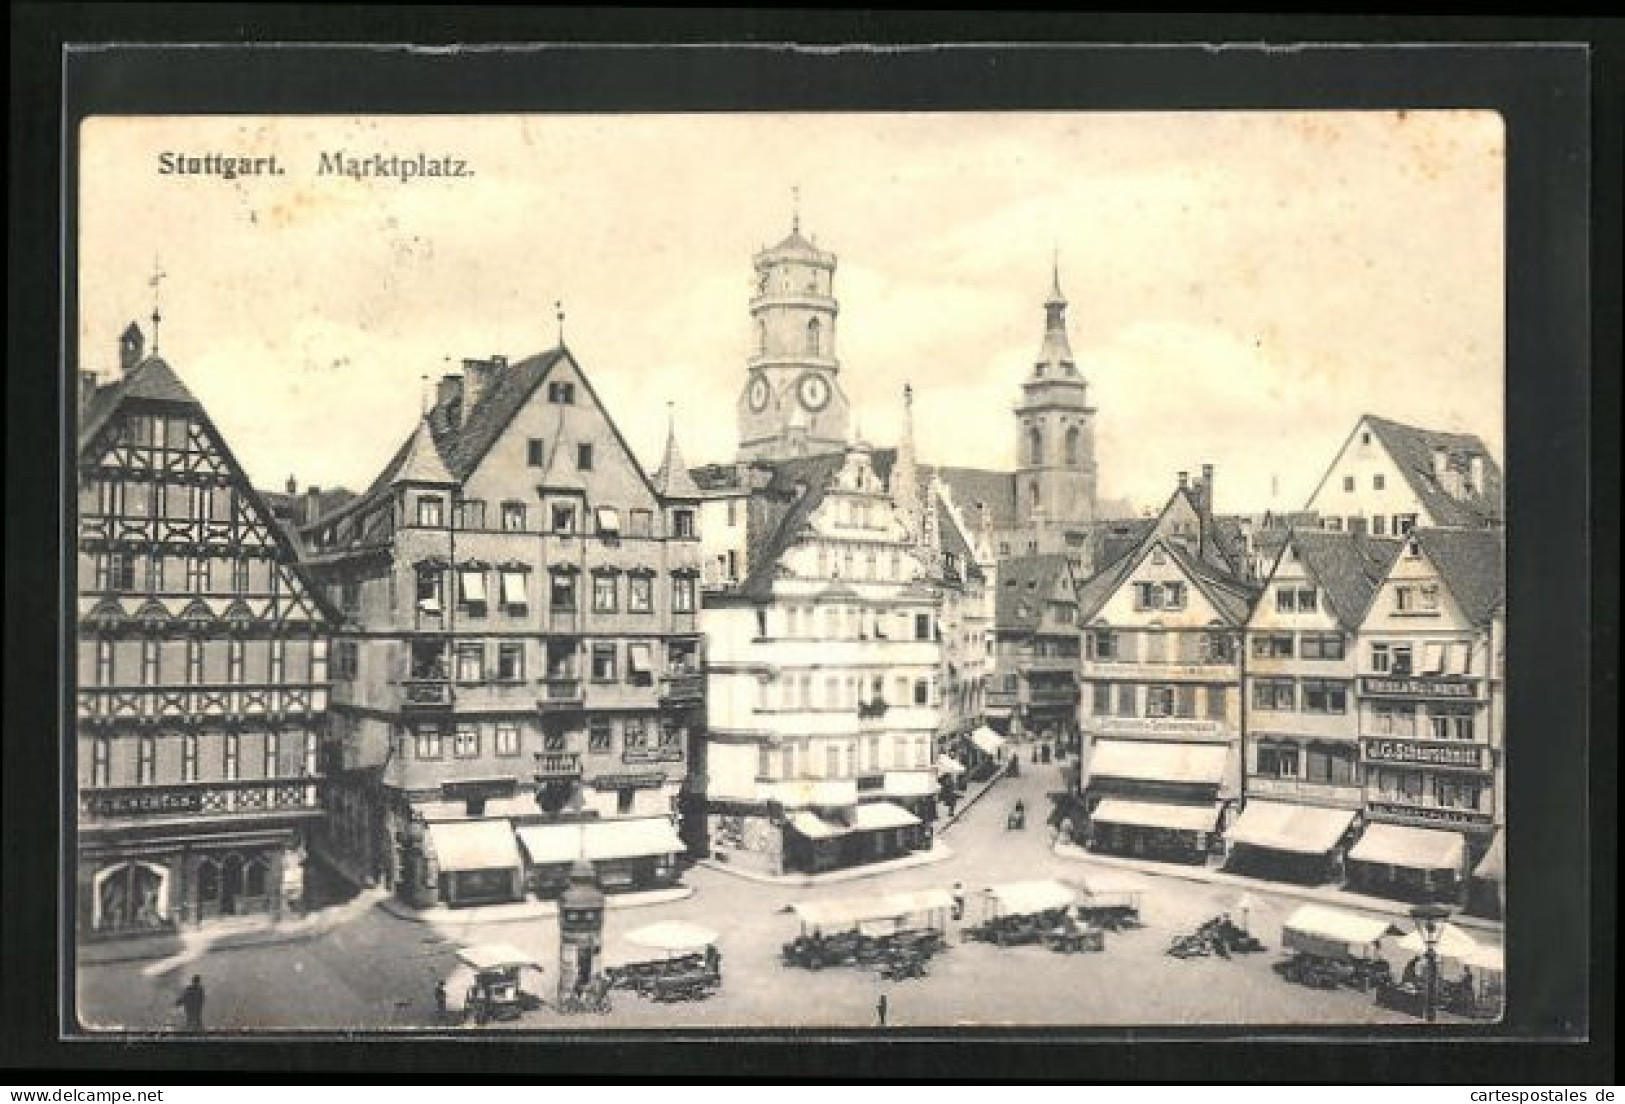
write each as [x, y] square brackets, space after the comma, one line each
[1493, 866]
[551, 844]
[474, 845]
[816, 827]
[1142, 761]
[947, 764]
[909, 784]
[1300, 829]
[881, 815]
[987, 741]
[1413, 848]
[630, 839]
[1153, 814]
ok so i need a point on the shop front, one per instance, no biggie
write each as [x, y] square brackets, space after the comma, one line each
[1154, 830]
[882, 830]
[638, 853]
[477, 862]
[1486, 894]
[813, 844]
[1290, 842]
[1407, 863]
[984, 752]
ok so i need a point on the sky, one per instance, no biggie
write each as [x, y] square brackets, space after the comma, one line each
[1242, 286]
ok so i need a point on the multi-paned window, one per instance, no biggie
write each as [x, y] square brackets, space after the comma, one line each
[634, 734]
[507, 739]
[561, 391]
[146, 760]
[199, 574]
[1151, 596]
[564, 518]
[1320, 645]
[101, 753]
[1159, 701]
[104, 662]
[426, 742]
[279, 661]
[1450, 724]
[230, 761]
[510, 662]
[603, 662]
[1278, 760]
[235, 649]
[1272, 645]
[465, 740]
[562, 591]
[470, 661]
[513, 517]
[682, 526]
[600, 736]
[1389, 719]
[429, 585]
[273, 751]
[683, 593]
[1322, 696]
[1296, 599]
[1275, 695]
[189, 757]
[240, 576]
[640, 593]
[150, 668]
[606, 592]
[431, 512]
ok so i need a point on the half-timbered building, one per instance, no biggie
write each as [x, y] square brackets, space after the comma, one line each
[202, 673]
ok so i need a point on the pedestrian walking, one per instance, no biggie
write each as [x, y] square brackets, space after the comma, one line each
[959, 900]
[440, 999]
[191, 1002]
[880, 1009]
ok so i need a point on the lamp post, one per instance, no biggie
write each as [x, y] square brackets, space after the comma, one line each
[1430, 920]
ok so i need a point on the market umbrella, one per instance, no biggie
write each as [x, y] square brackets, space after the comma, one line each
[1454, 943]
[672, 935]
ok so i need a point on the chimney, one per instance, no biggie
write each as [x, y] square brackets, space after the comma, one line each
[87, 389]
[293, 486]
[313, 503]
[1207, 487]
[130, 345]
[478, 376]
[1184, 480]
[448, 391]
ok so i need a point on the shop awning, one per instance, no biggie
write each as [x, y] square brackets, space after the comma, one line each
[474, 845]
[910, 784]
[816, 827]
[920, 900]
[1025, 898]
[1453, 943]
[496, 956]
[513, 588]
[1493, 866]
[630, 839]
[881, 815]
[987, 741]
[947, 764]
[839, 913]
[473, 583]
[1156, 814]
[1487, 957]
[1142, 761]
[1335, 926]
[1300, 829]
[1412, 848]
[551, 844]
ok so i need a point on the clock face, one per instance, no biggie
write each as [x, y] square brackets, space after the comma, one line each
[813, 390]
[758, 394]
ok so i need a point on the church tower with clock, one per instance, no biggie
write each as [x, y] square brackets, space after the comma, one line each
[792, 403]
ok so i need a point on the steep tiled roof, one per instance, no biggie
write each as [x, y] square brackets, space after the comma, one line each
[1348, 566]
[671, 479]
[421, 462]
[1099, 587]
[464, 442]
[1412, 448]
[1472, 563]
[1026, 583]
[971, 486]
[151, 379]
[1233, 597]
[776, 515]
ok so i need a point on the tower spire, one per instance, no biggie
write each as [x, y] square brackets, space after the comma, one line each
[905, 478]
[795, 208]
[558, 312]
[153, 281]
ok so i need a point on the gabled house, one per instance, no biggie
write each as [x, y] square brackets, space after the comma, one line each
[1390, 478]
[1161, 681]
[202, 684]
[518, 673]
[1301, 757]
[1034, 689]
[1429, 684]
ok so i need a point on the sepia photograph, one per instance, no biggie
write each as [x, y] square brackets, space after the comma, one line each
[789, 570]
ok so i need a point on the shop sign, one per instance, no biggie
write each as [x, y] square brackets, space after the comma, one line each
[118, 803]
[1428, 816]
[1411, 687]
[1426, 753]
[629, 781]
[1154, 727]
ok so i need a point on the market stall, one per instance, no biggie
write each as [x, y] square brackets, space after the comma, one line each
[673, 960]
[488, 983]
[1022, 912]
[1331, 947]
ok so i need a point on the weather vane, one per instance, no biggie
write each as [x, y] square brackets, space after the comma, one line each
[158, 275]
[558, 307]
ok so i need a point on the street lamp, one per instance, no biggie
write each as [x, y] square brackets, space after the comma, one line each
[1430, 920]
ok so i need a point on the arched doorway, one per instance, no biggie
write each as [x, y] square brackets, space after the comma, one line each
[131, 896]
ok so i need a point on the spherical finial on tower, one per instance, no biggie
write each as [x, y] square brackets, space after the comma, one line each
[558, 312]
[795, 208]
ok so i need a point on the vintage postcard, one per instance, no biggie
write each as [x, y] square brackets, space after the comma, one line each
[789, 570]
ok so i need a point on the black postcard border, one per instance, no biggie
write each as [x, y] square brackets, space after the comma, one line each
[1562, 452]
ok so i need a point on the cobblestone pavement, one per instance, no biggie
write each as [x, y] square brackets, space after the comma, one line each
[378, 971]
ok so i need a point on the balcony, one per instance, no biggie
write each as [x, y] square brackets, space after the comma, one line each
[654, 753]
[425, 694]
[1050, 695]
[686, 688]
[558, 764]
[1049, 664]
[194, 799]
[560, 693]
